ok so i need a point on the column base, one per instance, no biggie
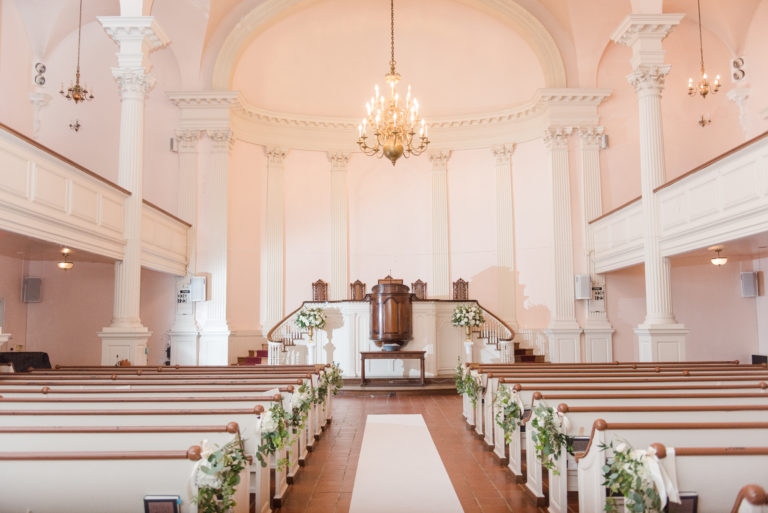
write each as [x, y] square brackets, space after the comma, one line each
[598, 342]
[214, 347]
[124, 343]
[185, 346]
[564, 342]
[661, 342]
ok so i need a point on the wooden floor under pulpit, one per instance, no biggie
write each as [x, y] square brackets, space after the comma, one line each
[391, 355]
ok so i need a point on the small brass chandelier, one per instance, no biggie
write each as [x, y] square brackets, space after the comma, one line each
[703, 87]
[393, 122]
[76, 92]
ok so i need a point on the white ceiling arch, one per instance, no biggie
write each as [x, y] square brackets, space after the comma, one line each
[525, 24]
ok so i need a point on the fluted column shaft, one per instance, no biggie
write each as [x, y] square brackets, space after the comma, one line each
[441, 255]
[505, 233]
[274, 242]
[339, 226]
[556, 141]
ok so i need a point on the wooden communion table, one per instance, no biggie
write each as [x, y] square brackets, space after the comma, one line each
[390, 355]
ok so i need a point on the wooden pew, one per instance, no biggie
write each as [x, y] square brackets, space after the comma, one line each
[108, 482]
[751, 499]
[641, 435]
[583, 417]
[716, 474]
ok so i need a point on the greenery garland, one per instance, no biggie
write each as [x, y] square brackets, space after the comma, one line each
[301, 402]
[468, 382]
[509, 411]
[274, 433]
[459, 376]
[627, 475]
[548, 436]
[332, 378]
[216, 475]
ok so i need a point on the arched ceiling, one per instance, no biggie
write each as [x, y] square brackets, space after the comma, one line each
[324, 59]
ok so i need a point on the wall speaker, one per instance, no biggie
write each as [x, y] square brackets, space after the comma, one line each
[748, 284]
[583, 286]
[30, 290]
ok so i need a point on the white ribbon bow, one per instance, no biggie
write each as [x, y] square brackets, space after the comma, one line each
[516, 398]
[665, 484]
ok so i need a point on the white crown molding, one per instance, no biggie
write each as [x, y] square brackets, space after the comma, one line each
[637, 26]
[144, 28]
[550, 106]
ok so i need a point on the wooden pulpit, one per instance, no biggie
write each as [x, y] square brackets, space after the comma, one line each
[391, 314]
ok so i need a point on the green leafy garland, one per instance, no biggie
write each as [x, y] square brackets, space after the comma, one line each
[509, 411]
[274, 433]
[468, 382]
[332, 377]
[548, 436]
[301, 402]
[627, 475]
[216, 475]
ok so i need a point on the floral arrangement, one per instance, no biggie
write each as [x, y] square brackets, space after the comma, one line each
[310, 318]
[216, 474]
[637, 475]
[509, 410]
[298, 408]
[273, 429]
[549, 436]
[468, 382]
[330, 380]
[467, 316]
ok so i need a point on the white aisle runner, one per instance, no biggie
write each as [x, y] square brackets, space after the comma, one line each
[400, 470]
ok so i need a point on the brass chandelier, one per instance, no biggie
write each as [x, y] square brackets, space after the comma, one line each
[392, 121]
[703, 87]
[76, 92]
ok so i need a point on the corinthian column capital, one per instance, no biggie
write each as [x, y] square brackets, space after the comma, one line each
[556, 138]
[439, 159]
[649, 78]
[503, 153]
[275, 156]
[591, 137]
[222, 139]
[339, 160]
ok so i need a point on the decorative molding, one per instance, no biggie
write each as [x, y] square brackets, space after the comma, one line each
[739, 96]
[204, 99]
[591, 139]
[649, 77]
[275, 156]
[439, 159]
[645, 26]
[338, 160]
[133, 81]
[187, 139]
[38, 100]
[556, 138]
[503, 153]
[143, 29]
[222, 139]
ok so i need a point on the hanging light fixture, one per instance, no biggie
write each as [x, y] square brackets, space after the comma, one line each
[719, 260]
[76, 92]
[393, 121]
[703, 87]
[65, 264]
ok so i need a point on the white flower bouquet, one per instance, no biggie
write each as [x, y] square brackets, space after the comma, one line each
[467, 316]
[310, 318]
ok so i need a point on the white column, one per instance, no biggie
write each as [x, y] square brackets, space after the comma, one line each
[660, 337]
[598, 332]
[274, 243]
[563, 331]
[441, 251]
[184, 332]
[339, 283]
[505, 234]
[126, 337]
[212, 249]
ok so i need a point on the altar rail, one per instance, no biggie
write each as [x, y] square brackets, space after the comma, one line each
[347, 332]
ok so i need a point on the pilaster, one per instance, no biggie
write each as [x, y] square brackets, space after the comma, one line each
[38, 99]
[644, 34]
[441, 254]
[563, 331]
[598, 332]
[339, 226]
[274, 243]
[126, 337]
[505, 233]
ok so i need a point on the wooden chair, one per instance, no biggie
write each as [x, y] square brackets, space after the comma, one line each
[319, 291]
[357, 291]
[460, 290]
[419, 289]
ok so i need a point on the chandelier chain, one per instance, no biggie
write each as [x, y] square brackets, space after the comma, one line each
[79, 31]
[701, 44]
[392, 36]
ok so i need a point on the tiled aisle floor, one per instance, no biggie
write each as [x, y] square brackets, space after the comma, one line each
[325, 484]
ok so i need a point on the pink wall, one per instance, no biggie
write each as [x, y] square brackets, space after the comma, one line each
[754, 52]
[15, 69]
[10, 291]
[157, 310]
[705, 298]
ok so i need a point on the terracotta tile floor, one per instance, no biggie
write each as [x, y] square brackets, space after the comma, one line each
[325, 484]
